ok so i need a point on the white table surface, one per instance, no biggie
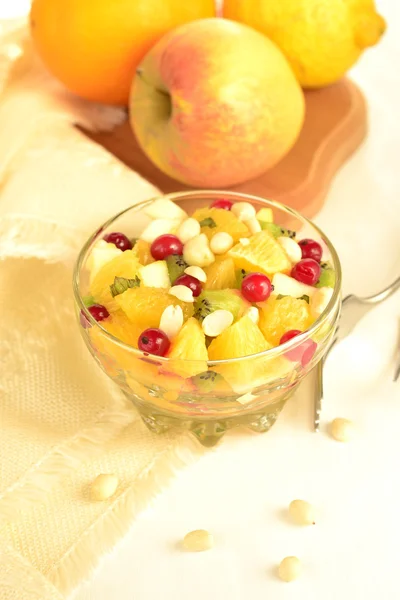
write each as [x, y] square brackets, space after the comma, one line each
[240, 491]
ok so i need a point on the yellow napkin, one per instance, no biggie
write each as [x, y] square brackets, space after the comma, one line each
[62, 422]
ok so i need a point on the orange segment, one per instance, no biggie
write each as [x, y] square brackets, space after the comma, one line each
[188, 353]
[142, 250]
[264, 254]
[240, 339]
[124, 265]
[118, 325]
[144, 306]
[279, 316]
[221, 274]
[189, 345]
[243, 338]
[224, 221]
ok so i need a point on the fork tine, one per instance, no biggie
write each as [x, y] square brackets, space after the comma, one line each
[318, 393]
[397, 369]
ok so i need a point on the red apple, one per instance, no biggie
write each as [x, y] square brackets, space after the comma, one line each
[215, 103]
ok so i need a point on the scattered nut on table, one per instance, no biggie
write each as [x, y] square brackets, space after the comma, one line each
[302, 512]
[289, 569]
[198, 540]
[104, 486]
[342, 430]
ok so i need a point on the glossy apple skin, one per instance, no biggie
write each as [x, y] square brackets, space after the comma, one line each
[215, 103]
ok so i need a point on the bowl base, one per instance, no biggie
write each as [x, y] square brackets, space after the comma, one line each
[208, 431]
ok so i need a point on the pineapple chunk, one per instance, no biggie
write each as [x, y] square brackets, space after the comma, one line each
[263, 254]
[159, 227]
[165, 209]
[266, 215]
[288, 286]
[102, 252]
[155, 275]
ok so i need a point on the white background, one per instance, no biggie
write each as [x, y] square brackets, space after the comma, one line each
[240, 491]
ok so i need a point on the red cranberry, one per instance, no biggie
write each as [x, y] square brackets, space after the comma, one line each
[190, 282]
[303, 353]
[309, 348]
[154, 341]
[307, 271]
[222, 203]
[98, 312]
[256, 287]
[288, 335]
[296, 354]
[310, 249]
[119, 239]
[165, 245]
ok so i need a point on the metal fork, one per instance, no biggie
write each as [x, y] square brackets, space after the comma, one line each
[353, 309]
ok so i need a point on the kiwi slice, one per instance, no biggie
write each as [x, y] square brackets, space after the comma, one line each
[327, 277]
[277, 231]
[176, 266]
[240, 275]
[207, 381]
[88, 301]
[211, 300]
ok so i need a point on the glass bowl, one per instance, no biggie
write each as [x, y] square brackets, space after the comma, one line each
[207, 398]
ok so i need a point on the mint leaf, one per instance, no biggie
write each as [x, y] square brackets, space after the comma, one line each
[280, 296]
[208, 222]
[88, 301]
[121, 284]
[305, 297]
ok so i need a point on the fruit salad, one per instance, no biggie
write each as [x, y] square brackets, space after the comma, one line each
[203, 290]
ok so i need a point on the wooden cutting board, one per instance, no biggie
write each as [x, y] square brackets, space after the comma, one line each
[335, 125]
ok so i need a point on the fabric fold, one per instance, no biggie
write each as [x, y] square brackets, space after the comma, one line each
[62, 421]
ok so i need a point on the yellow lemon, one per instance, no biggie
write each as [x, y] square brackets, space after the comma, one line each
[321, 39]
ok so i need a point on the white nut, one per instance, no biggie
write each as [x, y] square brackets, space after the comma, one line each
[197, 253]
[104, 486]
[197, 272]
[253, 225]
[188, 230]
[291, 248]
[182, 292]
[171, 321]
[244, 241]
[302, 512]
[216, 322]
[320, 301]
[342, 430]
[198, 540]
[253, 314]
[290, 569]
[221, 242]
[243, 210]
